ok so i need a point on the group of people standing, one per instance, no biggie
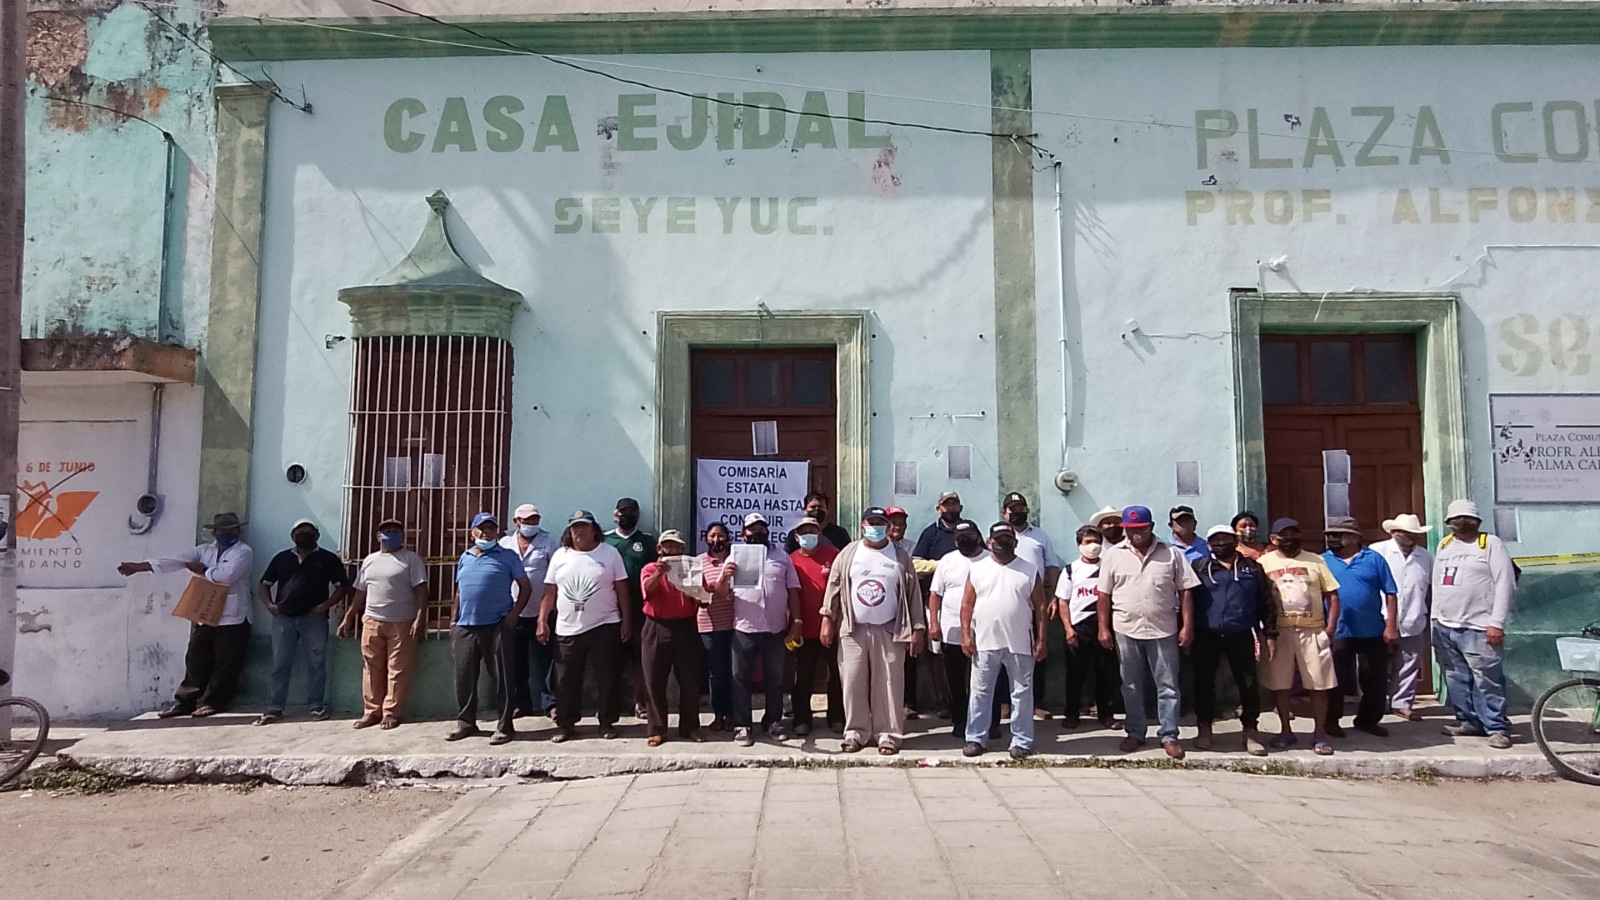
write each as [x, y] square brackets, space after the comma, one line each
[543, 613]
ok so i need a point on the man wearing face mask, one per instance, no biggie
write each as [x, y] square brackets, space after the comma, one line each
[1033, 545]
[481, 626]
[638, 549]
[390, 607]
[763, 616]
[531, 661]
[1003, 620]
[1232, 605]
[1247, 528]
[1109, 521]
[1076, 607]
[873, 607]
[216, 653]
[812, 563]
[939, 538]
[1306, 597]
[1145, 605]
[299, 587]
[944, 624]
[816, 508]
[898, 520]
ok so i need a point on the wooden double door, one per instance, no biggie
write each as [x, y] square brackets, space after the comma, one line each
[1356, 393]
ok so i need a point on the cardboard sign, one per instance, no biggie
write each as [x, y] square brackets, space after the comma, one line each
[202, 602]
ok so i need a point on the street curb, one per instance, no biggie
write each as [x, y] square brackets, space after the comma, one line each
[358, 770]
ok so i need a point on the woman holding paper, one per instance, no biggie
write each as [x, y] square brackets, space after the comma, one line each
[669, 640]
[716, 623]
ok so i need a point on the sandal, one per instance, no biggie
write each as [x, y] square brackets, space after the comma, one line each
[655, 740]
[1323, 748]
[389, 722]
[319, 714]
[1283, 742]
[200, 712]
[850, 745]
[266, 718]
[366, 722]
[887, 750]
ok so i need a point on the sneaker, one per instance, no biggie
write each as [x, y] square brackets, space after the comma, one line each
[742, 737]
[777, 732]
[972, 748]
[1461, 731]
[1021, 752]
[1375, 729]
[1500, 741]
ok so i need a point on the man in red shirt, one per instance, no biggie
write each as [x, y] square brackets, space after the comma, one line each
[812, 562]
[670, 645]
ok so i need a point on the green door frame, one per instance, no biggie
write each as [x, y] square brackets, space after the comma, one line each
[1434, 318]
[677, 333]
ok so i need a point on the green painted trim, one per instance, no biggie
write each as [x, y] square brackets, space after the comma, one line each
[1016, 320]
[1436, 320]
[848, 332]
[395, 310]
[242, 39]
[228, 356]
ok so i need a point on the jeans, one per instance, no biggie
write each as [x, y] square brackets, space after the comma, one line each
[1363, 663]
[289, 633]
[1210, 649]
[747, 648]
[986, 668]
[958, 672]
[1159, 657]
[533, 667]
[1473, 677]
[719, 670]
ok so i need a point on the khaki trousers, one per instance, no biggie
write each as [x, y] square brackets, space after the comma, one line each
[872, 666]
[388, 652]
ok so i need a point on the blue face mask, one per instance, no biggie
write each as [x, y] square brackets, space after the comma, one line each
[527, 531]
[806, 541]
[226, 539]
[391, 541]
[875, 533]
[484, 544]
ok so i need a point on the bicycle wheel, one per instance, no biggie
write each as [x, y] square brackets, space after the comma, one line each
[1566, 724]
[29, 728]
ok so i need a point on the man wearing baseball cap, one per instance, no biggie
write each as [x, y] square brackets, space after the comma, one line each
[1033, 545]
[638, 548]
[898, 519]
[1302, 588]
[480, 629]
[873, 607]
[671, 644]
[1232, 607]
[1368, 626]
[763, 617]
[298, 588]
[1146, 610]
[531, 661]
[1003, 630]
[939, 538]
[1474, 583]
[1412, 567]
[944, 623]
[1182, 522]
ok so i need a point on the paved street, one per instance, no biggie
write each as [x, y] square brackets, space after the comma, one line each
[817, 834]
[1012, 832]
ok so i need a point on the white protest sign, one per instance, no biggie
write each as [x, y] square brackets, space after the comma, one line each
[727, 490]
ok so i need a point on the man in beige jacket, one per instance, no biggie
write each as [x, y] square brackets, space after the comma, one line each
[873, 606]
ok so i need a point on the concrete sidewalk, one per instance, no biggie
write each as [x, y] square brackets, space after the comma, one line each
[296, 751]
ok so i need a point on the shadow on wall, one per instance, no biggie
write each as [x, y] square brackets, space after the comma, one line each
[1552, 601]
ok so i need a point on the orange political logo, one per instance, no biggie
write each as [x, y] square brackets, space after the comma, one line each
[46, 514]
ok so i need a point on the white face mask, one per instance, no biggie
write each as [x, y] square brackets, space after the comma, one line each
[1090, 551]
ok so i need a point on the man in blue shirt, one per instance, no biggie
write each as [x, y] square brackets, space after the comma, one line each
[1369, 617]
[1184, 538]
[481, 626]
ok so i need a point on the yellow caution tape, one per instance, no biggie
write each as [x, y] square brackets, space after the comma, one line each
[1558, 559]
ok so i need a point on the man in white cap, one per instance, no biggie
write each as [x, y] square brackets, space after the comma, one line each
[531, 660]
[1474, 583]
[763, 616]
[1412, 567]
[1109, 521]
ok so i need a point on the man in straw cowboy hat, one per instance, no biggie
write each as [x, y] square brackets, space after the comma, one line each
[1412, 567]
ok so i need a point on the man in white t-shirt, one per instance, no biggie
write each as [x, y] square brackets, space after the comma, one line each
[1035, 546]
[1076, 597]
[586, 595]
[874, 605]
[391, 609]
[944, 621]
[1002, 628]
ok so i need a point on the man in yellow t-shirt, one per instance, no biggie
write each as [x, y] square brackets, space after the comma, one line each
[1301, 585]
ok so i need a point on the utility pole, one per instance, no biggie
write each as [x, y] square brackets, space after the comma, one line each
[13, 175]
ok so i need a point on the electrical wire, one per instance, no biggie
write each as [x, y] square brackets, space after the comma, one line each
[270, 87]
[582, 63]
